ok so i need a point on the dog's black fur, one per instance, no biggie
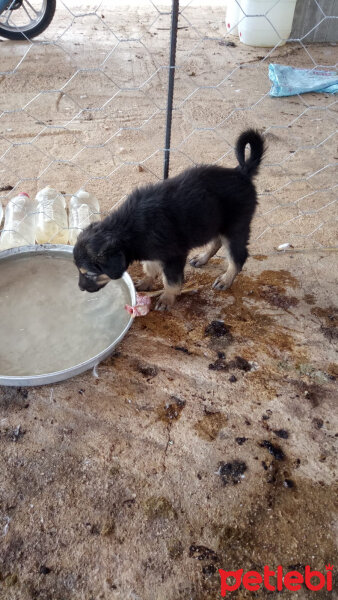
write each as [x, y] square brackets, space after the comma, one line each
[164, 221]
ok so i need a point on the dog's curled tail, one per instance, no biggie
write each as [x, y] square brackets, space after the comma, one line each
[257, 148]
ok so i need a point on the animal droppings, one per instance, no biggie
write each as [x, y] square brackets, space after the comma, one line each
[232, 472]
[282, 433]
[275, 451]
[241, 440]
[218, 329]
[202, 553]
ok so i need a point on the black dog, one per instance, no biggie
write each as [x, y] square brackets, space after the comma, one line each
[159, 224]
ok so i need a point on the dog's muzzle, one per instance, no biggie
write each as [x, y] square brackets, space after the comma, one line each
[92, 285]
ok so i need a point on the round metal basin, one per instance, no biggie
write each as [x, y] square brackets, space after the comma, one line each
[49, 329]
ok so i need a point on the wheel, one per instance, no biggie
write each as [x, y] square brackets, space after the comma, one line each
[26, 19]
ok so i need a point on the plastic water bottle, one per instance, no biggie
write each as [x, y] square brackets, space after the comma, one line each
[51, 218]
[19, 225]
[83, 210]
[266, 23]
[233, 16]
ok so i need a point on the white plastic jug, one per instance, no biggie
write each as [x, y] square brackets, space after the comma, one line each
[267, 23]
[83, 210]
[51, 219]
[19, 225]
[233, 16]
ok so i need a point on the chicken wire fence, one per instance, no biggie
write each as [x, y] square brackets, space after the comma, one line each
[85, 105]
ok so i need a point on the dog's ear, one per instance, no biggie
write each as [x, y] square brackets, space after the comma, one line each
[113, 262]
[86, 245]
[106, 245]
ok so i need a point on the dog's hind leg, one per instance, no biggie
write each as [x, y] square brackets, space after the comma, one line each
[202, 259]
[236, 253]
[152, 269]
[173, 274]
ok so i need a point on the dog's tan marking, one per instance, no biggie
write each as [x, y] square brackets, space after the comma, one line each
[82, 270]
[152, 269]
[168, 297]
[223, 282]
[102, 279]
[202, 259]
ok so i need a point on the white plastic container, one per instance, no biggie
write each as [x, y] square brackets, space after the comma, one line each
[19, 225]
[233, 16]
[83, 210]
[268, 23]
[51, 219]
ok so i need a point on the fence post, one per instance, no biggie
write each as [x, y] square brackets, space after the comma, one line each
[171, 81]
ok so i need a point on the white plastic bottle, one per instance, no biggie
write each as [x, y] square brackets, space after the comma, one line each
[51, 218]
[267, 23]
[233, 15]
[83, 210]
[20, 221]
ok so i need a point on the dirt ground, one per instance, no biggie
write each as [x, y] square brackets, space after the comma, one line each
[209, 439]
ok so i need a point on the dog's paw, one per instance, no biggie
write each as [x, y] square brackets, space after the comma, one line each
[221, 283]
[165, 301]
[198, 261]
[145, 284]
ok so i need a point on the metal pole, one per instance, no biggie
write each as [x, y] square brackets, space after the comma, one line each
[171, 81]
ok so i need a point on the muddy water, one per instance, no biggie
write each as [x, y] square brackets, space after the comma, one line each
[46, 323]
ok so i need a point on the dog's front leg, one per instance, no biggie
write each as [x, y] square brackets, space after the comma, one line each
[152, 269]
[173, 272]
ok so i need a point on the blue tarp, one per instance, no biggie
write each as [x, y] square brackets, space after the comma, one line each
[288, 81]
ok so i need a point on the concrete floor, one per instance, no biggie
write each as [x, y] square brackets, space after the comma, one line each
[209, 440]
[111, 483]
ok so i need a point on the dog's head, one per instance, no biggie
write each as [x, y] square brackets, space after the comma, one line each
[98, 258]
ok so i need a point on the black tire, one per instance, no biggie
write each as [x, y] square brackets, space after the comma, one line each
[34, 31]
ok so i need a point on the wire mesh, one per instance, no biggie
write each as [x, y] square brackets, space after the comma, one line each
[84, 106]
[224, 87]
